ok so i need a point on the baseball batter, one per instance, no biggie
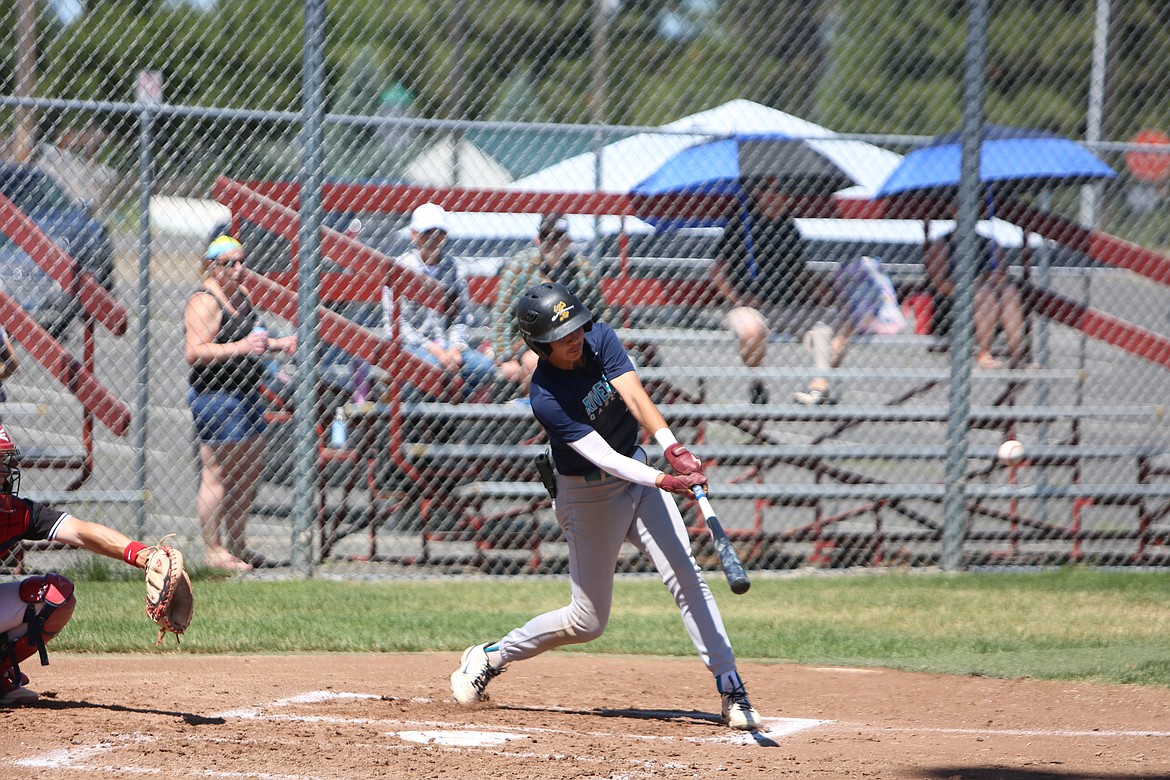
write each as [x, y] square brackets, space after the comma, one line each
[35, 609]
[587, 396]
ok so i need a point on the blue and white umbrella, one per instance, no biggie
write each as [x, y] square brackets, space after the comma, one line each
[1019, 157]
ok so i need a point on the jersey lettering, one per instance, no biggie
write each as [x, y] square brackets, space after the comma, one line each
[598, 398]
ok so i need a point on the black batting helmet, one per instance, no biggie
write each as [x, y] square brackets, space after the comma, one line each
[548, 312]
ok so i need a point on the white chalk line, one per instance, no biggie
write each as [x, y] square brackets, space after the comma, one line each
[56, 759]
[170, 773]
[641, 767]
[448, 736]
[445, 736]
[774, 727]
[1070, 733]
[310, 697]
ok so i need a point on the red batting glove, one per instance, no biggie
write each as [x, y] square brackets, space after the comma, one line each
[682, 460]
[682, 484]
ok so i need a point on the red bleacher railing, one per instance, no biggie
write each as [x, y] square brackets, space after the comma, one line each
[73, 374]
[57, 263]
[97, 305]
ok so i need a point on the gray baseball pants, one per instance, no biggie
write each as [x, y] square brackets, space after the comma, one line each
[598, 513]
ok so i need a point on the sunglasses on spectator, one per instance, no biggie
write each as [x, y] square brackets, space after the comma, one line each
[227, 262]
[555, 238]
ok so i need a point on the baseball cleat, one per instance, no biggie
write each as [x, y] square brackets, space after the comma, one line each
[14, 695]
[815, 397]
[738, 712]
[469, 681]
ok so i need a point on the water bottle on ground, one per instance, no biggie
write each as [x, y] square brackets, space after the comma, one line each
[338, 435]
[261, 329]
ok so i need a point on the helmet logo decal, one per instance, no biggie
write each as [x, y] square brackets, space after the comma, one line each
[561, 311]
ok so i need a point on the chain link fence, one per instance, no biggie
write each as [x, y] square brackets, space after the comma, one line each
[761, 198]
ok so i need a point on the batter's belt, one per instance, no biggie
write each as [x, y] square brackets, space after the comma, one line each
[597, 475]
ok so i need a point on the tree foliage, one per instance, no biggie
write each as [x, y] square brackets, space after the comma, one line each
[898, 66]
[874, 66]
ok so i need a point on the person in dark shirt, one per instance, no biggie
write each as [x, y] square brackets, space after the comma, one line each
[997, 299]
[33, 610]
[225, 346]
[760, 270]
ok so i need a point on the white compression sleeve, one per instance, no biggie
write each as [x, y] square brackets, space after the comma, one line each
[596, 450]
[664, 437]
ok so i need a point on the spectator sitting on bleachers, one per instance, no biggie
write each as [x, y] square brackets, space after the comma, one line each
[9, 362]
[760, 269]
[997, 299]
[438, 337]
[550, 260]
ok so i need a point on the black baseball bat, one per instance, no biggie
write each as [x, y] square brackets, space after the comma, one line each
[732, 566]
[548, 474]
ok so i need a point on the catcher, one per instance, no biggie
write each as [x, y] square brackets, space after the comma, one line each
[35, 609]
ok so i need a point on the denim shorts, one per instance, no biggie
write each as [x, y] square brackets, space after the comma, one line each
[221, 418]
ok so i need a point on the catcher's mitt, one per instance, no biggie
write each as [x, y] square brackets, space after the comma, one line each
[169, 600]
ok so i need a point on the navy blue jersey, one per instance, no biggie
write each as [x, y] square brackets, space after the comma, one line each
[572, 404]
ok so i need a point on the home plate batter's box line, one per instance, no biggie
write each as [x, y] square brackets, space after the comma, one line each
[774, 727]
[457, 737]
[1072, 733]
[440, 735]
[60, 760]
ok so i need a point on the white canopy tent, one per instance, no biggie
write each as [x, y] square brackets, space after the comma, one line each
[626, 162]
[484, 225]
[440, 166]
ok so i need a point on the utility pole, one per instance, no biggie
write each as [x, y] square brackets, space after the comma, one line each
[26, 79]
[458, 98]
[1094, 116]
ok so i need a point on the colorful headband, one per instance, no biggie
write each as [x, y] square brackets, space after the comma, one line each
[221, 246]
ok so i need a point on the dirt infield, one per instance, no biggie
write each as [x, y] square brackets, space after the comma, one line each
[563, 715]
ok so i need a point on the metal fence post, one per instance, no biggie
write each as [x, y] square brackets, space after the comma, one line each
[959, 409]
[308, 286]
[140, 422]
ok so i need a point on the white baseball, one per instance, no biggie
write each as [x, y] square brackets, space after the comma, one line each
[1010, 453]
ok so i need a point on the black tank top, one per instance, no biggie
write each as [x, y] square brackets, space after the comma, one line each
[240, 374]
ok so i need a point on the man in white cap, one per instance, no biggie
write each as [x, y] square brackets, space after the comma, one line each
[438, 337]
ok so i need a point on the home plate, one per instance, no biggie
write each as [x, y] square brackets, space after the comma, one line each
[774, 728]
[782, 727]
[458, 738]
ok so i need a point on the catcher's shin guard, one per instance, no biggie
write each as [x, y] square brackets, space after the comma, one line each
[50, 603]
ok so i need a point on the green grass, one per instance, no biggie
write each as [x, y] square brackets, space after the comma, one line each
[1069, 624]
